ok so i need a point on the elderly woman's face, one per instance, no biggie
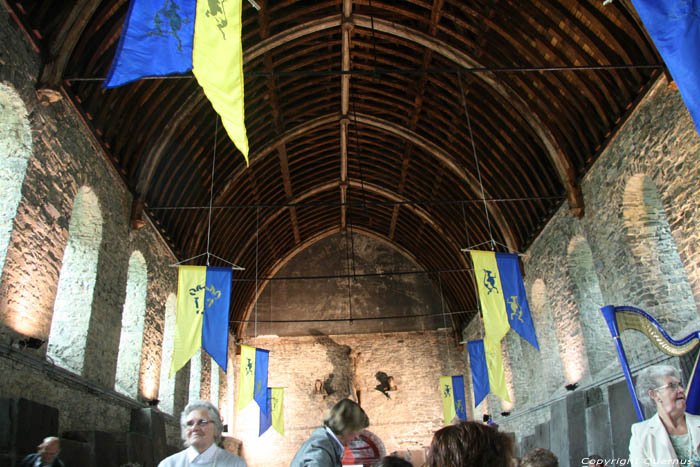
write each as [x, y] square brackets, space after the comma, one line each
[199, 430]
[669, 396]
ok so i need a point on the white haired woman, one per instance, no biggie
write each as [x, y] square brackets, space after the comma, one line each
[671, 436]
[201, 427]
[326, 445]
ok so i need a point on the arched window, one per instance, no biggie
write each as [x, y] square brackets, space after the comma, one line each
[600, 349]
[166, 388]
[658, 283]
[661, 283]
[133, 317]
[76, 284]
[196, 376]
[15, 150]
[214, 383]
[561, 342]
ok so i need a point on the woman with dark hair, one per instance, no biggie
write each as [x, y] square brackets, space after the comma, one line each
[201, 429]
[469, 444]
[326, 445]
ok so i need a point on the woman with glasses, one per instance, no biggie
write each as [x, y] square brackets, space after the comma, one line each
[671, 436]
[201, 429]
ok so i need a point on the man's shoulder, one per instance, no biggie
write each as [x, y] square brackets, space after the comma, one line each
[28, 460]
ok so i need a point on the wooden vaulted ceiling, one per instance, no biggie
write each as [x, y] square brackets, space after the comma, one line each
[364, 115]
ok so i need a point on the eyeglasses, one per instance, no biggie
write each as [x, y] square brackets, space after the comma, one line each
[203, 422]
[673, 386]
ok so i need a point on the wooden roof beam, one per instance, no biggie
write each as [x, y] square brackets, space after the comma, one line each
[563, 166]
[64, 41]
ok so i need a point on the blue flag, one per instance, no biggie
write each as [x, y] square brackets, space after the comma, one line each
[266, 415]
[156, 40]
[675, 28]
[480, 373]
[517, 308]
[217, 298]
[458, 394]
[260, 392]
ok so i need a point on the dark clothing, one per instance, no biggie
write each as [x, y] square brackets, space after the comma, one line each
[31, 458]
[320, 450]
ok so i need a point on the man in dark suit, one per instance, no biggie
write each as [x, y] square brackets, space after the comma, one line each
[46, 454]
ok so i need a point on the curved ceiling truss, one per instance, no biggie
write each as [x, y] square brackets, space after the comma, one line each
[395, 119]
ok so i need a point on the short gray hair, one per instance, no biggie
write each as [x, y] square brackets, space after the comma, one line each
[214, 416]
[651, 378]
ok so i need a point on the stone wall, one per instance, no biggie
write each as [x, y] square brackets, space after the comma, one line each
[636, 245]
[406, 420]
[64, 158]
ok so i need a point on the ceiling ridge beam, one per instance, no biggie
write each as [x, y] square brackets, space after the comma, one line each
[563, 166]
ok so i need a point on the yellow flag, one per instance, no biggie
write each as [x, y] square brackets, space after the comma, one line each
[448, 400]
[278, 409]
[494, 363]
[217, 63]
[188, 320]
[246, 383]
[493, 305]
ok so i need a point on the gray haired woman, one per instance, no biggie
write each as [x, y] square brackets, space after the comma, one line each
[671, 436]
[326, 445]
[201, 429]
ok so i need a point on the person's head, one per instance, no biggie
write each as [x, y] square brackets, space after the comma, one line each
[392, 461]
[201, 425]
[49, 449]
[346, 419]
[659, 387]
[539, 458]
[469, 444]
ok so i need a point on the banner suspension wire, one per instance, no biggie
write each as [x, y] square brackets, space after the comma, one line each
[257, 231]
[211, 200]
[444, 322]
[491, 242]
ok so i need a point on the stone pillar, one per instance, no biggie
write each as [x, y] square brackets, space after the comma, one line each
[568, 429]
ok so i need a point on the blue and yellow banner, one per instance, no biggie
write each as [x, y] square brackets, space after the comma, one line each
[203, 298]
[674, 26]
[246, 381]
[162, 37]
[502, 296]
[156, 40]
[497, 374]
[262, 358]
[217, 63]
[493, 306]
[479, 370]
[453, 401]
[274, 416]
[217, 299]
[517, 307]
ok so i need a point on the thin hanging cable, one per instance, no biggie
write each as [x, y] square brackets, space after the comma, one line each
[257, 228]
[348, 263]
[211, 200]
[353, 276]
[476, 158]
[466, 227]
[359, 162]
[444, 318]
[211, 185]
